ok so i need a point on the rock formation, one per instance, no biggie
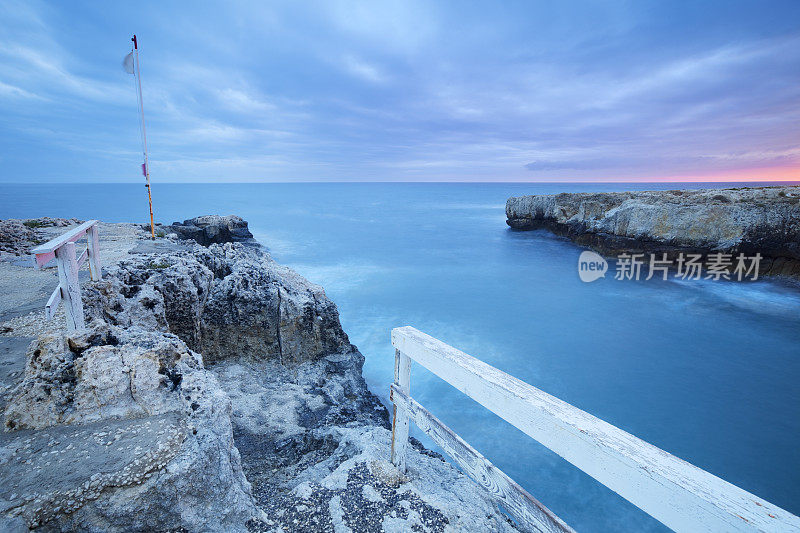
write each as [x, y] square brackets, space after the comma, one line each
[763, 220]
[211, 229]
[223, 301]
[125, 426]
[126, 420]
[18, 236]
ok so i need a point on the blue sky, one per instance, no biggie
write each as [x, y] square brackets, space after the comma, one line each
[402, 91]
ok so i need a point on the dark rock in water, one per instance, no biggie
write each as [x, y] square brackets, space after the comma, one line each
[212, 229]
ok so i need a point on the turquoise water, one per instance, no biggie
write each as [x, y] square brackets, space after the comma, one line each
[708, 371]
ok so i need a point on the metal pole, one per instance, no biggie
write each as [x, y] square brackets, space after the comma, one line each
[144, 138]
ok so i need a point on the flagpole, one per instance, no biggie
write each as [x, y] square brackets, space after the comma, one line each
[144, 137]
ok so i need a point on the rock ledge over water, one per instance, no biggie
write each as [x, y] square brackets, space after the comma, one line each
[747, 220]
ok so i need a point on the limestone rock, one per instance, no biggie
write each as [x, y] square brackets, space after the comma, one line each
[356, 488]
[156, 396]
[267, 311]
[97, 374]
[15, 238]
[126, 427]
[227, 300]
[211, 229]
[18, 236]
[763, 220]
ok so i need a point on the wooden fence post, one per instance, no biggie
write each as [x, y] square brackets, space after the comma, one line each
[70, 288]
[400, 419]
[93, 242]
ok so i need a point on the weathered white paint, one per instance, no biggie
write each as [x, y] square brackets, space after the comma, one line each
[678, 494]
[40, 260]
[52, 304]
[44, 253]
[62, 248]
[82, 259]
[93, 241]
[68, 282]
[400, 420]
[527, 510]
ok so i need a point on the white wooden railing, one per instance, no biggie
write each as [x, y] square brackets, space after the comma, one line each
[62, 249]
[680, 495]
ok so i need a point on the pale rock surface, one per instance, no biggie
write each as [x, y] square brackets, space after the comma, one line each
[166, 458]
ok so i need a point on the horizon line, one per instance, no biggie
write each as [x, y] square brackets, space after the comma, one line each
[582, 182]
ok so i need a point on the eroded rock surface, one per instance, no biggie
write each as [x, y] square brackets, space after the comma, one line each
[763, 220]
[100, 373]
[127, 427]
[212, 229]
[18, 236]
[121, 429]
[229, 300]
[315, 445]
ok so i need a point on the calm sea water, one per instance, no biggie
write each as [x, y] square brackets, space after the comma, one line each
[708, 371]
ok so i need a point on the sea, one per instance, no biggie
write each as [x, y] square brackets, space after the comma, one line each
[706, 370]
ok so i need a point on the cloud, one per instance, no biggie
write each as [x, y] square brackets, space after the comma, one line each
[243, 101]
[398, 26]
[544, 165]
[402, 90]
[365, 71]
[11, 91]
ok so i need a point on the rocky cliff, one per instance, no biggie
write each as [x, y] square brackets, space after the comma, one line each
[214, 390]
[763, 220]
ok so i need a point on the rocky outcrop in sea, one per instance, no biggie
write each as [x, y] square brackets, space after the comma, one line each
[746, 220]
[214, 390]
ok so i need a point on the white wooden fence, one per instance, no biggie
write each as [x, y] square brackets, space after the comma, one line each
[62, 249]
[680, 495]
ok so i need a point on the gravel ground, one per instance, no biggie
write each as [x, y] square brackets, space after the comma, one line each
[369, 504]
[34, 324]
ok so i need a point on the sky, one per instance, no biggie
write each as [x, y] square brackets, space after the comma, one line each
[402, 91]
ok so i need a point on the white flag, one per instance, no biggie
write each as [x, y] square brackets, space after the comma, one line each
[127, 63]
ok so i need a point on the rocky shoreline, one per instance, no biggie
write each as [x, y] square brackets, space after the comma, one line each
[764, 220]
[213, 390]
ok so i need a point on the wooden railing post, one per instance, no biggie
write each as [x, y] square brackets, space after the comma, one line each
[70, 288]
[400, 419]
[93, 242]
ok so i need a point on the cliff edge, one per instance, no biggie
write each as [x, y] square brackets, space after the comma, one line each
[213, 390]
